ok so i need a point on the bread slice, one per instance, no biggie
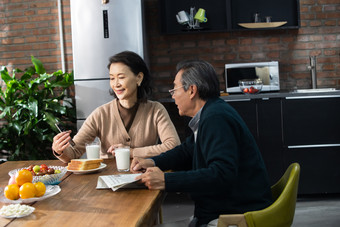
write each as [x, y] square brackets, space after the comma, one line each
[84, 164]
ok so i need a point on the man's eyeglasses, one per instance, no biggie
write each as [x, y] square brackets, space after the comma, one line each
[172, 91]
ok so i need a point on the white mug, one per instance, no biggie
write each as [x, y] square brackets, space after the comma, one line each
[182, 17]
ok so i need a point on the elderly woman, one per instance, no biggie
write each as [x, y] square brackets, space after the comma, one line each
[129, 119]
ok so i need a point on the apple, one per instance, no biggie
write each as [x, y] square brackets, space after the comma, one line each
[43, 167]
[57, 171]
[36, 168]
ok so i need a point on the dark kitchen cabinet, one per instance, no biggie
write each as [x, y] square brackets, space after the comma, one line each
[270, 136]
[312, 138]
[263, 118]
[311, 121]
[226, 15]
[247, 110]
[291, 128]
[297, 129]
[320, 168]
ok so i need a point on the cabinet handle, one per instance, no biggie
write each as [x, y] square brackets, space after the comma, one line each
[313, 145]
[238, 100]
[313, 97]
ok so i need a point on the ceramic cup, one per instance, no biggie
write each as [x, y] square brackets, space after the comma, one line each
[182, 17]
[122, 155]
[200, 15]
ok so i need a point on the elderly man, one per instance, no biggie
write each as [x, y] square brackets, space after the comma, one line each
[220, 165]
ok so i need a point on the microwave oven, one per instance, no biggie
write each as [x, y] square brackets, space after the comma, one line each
[268, 72]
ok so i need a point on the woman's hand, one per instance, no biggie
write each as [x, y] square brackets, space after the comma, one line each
[115, 146]
[61, 142]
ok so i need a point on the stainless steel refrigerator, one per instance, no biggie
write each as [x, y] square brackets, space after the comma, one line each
[100, 29]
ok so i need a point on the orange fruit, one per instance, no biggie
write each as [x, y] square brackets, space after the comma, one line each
[27, 190]
[40, 188]
[12, 192]
[23, 176]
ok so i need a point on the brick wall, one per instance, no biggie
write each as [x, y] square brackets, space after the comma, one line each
[31, 28]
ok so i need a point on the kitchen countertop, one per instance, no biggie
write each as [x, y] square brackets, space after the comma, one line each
[268, 95]
[283, 94]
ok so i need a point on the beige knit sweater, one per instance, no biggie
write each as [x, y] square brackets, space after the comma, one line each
[151, 123]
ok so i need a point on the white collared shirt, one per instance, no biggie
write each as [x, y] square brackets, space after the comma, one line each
[193, 124]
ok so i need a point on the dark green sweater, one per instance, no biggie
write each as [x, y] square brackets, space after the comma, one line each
[223, 171]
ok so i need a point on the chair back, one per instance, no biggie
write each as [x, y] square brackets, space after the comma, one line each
[281, 212]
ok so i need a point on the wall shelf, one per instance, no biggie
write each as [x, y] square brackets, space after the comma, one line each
[230, 15]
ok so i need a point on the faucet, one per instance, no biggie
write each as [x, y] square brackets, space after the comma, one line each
[312, 68]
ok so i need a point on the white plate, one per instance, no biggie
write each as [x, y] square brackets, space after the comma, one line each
[263, 25]
[16, 213]
[51, 190]
[102, 166]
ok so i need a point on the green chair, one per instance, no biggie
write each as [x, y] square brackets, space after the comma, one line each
[279, 214]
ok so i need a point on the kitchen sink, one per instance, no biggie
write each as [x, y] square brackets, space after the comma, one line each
[315, 90]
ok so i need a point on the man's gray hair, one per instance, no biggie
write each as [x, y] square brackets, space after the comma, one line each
[203, 75]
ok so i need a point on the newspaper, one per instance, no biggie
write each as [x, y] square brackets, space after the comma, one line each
[116, 182]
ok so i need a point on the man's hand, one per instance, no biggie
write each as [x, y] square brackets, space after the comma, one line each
[141, 164]
[153, 178]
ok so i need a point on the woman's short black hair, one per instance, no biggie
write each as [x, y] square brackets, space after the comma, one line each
[136, 65]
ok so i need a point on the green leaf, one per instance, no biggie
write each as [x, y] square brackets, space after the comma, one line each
[17, 127]
[57, 108]
[4, 74]
[33, 106]
[30, 70]
[28, 127]
[26, 76]
[5, 111]
[51, 120]
[39, 68]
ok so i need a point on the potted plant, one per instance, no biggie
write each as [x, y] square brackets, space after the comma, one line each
[31, 102]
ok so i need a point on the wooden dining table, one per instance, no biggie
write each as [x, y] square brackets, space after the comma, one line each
[79, 203]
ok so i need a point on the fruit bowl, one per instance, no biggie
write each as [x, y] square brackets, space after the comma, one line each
[48, 179]
[250, 86]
